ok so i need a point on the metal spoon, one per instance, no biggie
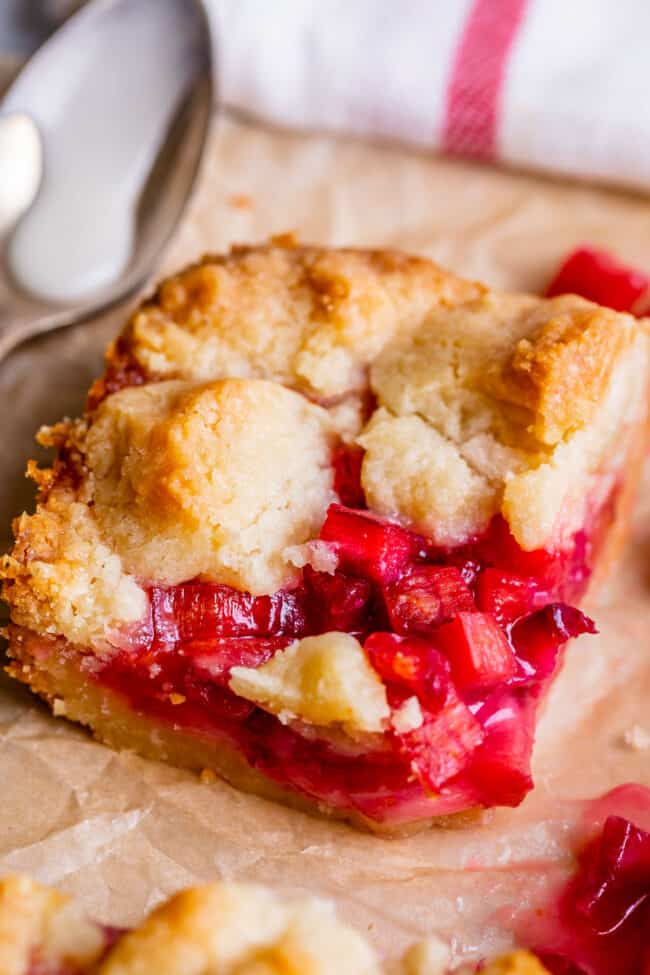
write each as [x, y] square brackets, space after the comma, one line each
[103, 33]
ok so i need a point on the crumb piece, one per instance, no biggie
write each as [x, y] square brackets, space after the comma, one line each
[637, 738]
[177, 698]
[467, 427]
[323, 680]
[429, 957]
[63, 578]
[410, 470]
[207, 776]
[240, 201]
[319, 555]
[407, 717]
[58, 707]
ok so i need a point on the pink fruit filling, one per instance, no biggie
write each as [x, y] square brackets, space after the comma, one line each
[474, 634]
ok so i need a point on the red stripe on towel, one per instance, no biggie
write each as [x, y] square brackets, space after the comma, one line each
[475, 82]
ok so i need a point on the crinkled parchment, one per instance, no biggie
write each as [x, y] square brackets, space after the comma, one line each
[121, 832]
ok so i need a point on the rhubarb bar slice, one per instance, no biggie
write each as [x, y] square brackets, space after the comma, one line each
[326, 525]
[225, 928]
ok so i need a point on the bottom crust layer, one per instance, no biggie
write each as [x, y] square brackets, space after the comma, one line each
[70, 693]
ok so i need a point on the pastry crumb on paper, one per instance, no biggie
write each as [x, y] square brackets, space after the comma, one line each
[637, 738]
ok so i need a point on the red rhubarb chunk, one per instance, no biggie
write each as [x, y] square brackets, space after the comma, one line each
[338, 601]
[600, 277]
[500, 768]
[428, 596]
[504, 595]
[537, 638]
[499, 548]
[347, 476]
[444, 743]
[367, 545]
[411, 664]
[615, 879]
[477, 649]
[200, 610]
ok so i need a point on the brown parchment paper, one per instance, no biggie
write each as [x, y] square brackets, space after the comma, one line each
[120, 832]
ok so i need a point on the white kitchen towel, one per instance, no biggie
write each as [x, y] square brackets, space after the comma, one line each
[559, 85]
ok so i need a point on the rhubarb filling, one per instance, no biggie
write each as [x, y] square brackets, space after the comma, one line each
[465, 642]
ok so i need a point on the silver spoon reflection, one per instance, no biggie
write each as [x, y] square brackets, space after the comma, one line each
[115, 107]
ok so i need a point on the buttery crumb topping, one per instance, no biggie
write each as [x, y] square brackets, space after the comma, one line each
[308, 317]
[217, 466]
[214, 480]
[63, 578]
[507, 404]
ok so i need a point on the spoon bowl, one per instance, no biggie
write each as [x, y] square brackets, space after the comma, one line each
[122, 97]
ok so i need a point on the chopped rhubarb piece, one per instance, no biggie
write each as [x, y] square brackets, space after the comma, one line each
[428, 596]
[477, 649]
[368, 545]
[444, 743]
[200, 610]
[410, 663]
[338, 601]
[347, 476]
[615, 880]
[537, 638]
[499, 548]
[500, 768]
[600, 277]
[504, 595]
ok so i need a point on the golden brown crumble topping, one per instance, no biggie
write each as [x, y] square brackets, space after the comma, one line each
[467, 403]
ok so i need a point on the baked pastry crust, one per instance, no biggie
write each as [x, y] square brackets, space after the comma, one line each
[39, 924]
[230, 928]
[484, 402]
[207, 454]
[308, 317]
[214, 480]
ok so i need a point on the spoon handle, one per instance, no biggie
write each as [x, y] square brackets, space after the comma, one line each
[20, 321]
